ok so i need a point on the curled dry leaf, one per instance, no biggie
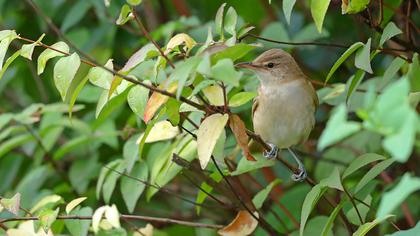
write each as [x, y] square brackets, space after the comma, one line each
[243, 224]
[208, 133]
[145, 231]
[180, 39]
[157, 100]
[239, 130]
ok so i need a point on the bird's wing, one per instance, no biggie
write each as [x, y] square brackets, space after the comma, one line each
[254, 106]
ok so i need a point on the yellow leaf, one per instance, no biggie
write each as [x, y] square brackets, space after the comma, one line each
[114, 84]
[146, 231]
[180, 39]
[74, 203]
[215, 95]
[162, 130]
[208, 133]
[157, 100]
[243, 224]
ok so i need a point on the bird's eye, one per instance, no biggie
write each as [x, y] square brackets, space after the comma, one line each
[270, 65]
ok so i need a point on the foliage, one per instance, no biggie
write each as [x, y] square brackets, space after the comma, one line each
[126, 107]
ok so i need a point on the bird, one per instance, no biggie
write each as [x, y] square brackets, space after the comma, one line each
[283, 113]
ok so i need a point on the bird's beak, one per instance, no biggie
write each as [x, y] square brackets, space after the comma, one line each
[248, 65]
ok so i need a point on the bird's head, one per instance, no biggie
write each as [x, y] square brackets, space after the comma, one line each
[273, 65]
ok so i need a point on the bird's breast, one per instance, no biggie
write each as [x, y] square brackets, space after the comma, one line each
[284, 115]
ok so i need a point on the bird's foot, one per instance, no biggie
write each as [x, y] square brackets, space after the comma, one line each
[300, 176]
[272, 153]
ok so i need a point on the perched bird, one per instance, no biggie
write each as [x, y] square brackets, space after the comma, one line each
[283, 114]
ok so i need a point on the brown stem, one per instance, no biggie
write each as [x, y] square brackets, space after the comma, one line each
[264, 224]
[181, 7]
[147, 35]
[125, 77]
[57, 31]
[354, 204]
[125, 217]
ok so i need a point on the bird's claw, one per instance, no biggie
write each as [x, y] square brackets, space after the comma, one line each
[272, 153]
[300, 176]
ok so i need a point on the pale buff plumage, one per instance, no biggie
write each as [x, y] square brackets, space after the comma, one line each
[283, 113]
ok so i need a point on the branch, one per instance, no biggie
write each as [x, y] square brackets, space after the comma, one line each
[56, 30]
[125, 77]
[124, 217]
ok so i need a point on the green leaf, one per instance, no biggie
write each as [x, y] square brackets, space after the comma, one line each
[124, 15]
[47, 218]
[131, 152]
[353, 6]
[6, 37]
[12, 205]
[14, 142]
[224, 71]
[260, 197]
[234, 52]
[414, 73]
[355, 81]
[47, 202]
[318, 10]
[64, 71]
[365, 228]
[342, 58]
[139, 56]
[182, 72]
[287, 9]
[105, 171]
[244, 30]
[79, 227]
[137, 99]
[390, 31]
[219, 20]
[308, 205]
[75, 14]
[409, 232]
[9, 62]
[230, 21]
[392, 69]
[101, 77]
[393, 198]
[337, 128]
[111, 180]
[74, 203]
[131, 189]
[172, 111]
[48, 53]
[241, 98]
[362, 60]
[372, 173]
[27, 49]
[134, 2]
[362, 161]
[328, 226]
[400, 144]
[245, 166]
[332, 181]
[75, 93]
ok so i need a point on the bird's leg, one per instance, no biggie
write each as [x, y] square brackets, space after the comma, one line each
[302, 172]
[272, 153]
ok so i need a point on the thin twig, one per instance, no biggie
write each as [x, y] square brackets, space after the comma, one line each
[260, 219]
[354, 204]
[57, 31]
[147, 35]
[165, 190]
[125, 77]
[126, 217]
